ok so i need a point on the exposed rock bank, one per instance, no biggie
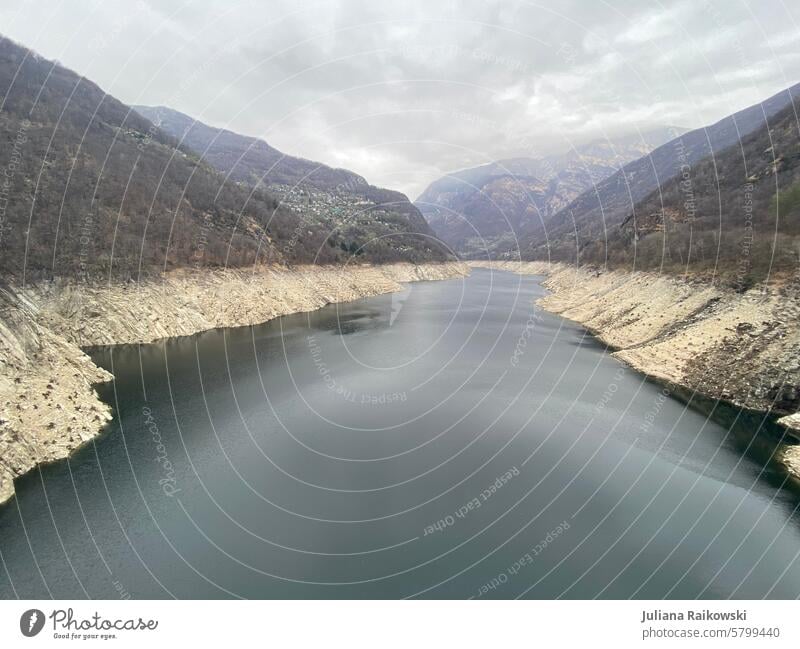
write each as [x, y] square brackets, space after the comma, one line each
[740, 347]
[48, 405]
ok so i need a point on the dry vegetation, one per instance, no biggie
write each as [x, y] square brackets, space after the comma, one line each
[91, 188]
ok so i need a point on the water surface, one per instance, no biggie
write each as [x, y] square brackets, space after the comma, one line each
[450, 441]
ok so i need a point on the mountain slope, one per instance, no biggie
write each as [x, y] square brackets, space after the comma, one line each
[484, 206]
[348, 201]
[602, 208]
[246, 159]
[737, 213]
[92, 188]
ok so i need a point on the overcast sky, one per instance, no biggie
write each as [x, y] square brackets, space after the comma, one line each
[404, 91]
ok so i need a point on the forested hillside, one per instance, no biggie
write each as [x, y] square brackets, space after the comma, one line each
[596, 215]
[737, 213]
[483, 209]
[362, 218]
[91, 188]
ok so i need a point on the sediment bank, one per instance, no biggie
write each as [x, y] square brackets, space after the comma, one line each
[48, 404]
[743, 347]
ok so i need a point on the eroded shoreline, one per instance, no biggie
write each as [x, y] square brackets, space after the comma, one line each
[48, 402]
[742, 348]
[738, 347]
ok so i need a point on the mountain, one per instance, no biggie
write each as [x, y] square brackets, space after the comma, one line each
[92, 188]
[485, 206]
[598, 211]
[344, 200]
[95, 188]
[736, 213]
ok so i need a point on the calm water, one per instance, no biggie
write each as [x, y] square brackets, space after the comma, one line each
[450, 441]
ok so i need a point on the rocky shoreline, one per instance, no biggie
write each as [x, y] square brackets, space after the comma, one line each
[48, 404]
[740, 347]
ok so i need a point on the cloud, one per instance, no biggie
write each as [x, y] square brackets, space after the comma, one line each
[404, 92]
[657, 24]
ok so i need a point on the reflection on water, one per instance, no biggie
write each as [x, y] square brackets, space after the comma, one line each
[450, 441]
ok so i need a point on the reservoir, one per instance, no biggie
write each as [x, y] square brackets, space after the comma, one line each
[449, 441]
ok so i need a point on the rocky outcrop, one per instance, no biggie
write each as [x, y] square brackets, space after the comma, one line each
[743, 348]
[48, 405]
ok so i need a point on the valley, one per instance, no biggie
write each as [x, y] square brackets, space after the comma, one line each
[317, 387]
[481, 211]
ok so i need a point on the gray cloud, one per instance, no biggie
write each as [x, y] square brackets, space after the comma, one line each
[404, 92]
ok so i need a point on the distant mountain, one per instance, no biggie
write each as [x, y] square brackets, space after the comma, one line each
[600, 210]
[736, 213]
[479, 207]
[350, 202]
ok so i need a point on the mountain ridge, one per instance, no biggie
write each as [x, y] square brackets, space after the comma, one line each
[735, 213]
[254, 161]
[477, 208]
[611, 201]
[96, 189]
